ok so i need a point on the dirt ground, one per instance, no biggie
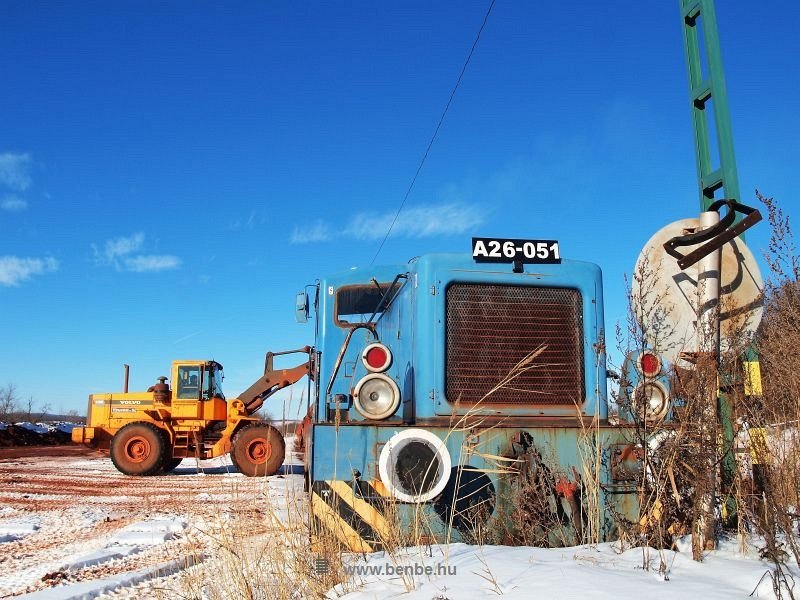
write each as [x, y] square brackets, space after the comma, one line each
[73, 502]
[38, 451]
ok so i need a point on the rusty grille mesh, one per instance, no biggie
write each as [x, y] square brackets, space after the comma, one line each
[491, 328]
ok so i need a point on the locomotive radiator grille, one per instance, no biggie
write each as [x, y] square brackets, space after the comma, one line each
[491, 328]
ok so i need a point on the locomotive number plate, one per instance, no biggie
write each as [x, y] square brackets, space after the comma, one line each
[499, 250]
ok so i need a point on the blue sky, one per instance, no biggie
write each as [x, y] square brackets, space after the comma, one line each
[171, 173]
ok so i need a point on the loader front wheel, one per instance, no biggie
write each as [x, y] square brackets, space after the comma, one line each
[138, 449]
[258, 450]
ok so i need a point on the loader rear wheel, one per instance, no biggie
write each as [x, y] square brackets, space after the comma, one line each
[258, 450]
[138, 449]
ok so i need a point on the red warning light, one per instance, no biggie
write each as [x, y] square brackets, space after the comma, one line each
[377, 357]
[650, 363]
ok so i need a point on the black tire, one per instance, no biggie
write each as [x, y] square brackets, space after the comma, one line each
[138, 449]
[169, 464]
[258, 450]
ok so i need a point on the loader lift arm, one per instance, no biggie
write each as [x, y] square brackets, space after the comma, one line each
[274, 380]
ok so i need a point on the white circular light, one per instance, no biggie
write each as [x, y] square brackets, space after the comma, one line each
[414, 465]
[376, 396]
[651, 400]
[376, 357]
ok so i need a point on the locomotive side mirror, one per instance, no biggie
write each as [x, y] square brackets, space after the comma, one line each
[301, 307]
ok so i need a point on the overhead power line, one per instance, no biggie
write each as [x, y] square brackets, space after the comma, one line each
[436, 131]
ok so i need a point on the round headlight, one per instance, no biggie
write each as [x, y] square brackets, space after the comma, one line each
[376, 357]
[376, 396]
[414, 465]
[651, 401]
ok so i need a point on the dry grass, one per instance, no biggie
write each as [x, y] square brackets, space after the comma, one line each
[259, 548]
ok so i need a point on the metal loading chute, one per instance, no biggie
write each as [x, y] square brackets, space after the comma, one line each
[274, 380]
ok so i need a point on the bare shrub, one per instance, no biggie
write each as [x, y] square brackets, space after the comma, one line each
[773, 415]
[677, 482]
[8, 401]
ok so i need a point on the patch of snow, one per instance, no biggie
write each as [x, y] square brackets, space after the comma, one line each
[148, 533]
[99, 556]
[35, 427]
[11, 531]
[130, 540]
[91, 516]
[461, 571]
[174, 525]
[98, 587]
[18, 528]
[141, 538]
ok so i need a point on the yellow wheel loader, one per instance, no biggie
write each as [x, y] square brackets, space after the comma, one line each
[151, 432]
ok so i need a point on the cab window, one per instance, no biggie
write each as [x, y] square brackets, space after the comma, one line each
[212, 384]
[189, 382]
[208, 385]
[356, 303]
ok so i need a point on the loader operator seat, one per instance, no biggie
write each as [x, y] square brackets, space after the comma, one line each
[192, 387]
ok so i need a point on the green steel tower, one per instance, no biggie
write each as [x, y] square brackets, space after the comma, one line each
[709, 98]
[717, 178]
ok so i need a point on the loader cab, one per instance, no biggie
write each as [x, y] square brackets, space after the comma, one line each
[194, 382]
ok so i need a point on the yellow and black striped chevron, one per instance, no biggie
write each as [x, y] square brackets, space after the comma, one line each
[353, 512]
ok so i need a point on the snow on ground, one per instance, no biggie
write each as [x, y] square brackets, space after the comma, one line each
[43, 428]
[72, 526]
[72, 519]
[14, 530]
[458, 572]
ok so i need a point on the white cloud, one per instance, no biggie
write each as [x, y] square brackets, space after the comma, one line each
[15, 170]
[444, 218]
[254, 219]
[418, 221]
[152, 262]
[13, 204]
[121, 246]
[319, 231]
[123, 254]
[14, 270]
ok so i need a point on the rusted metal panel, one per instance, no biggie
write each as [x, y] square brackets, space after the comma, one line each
[494, 469]
[627, 463]
[492, 328]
